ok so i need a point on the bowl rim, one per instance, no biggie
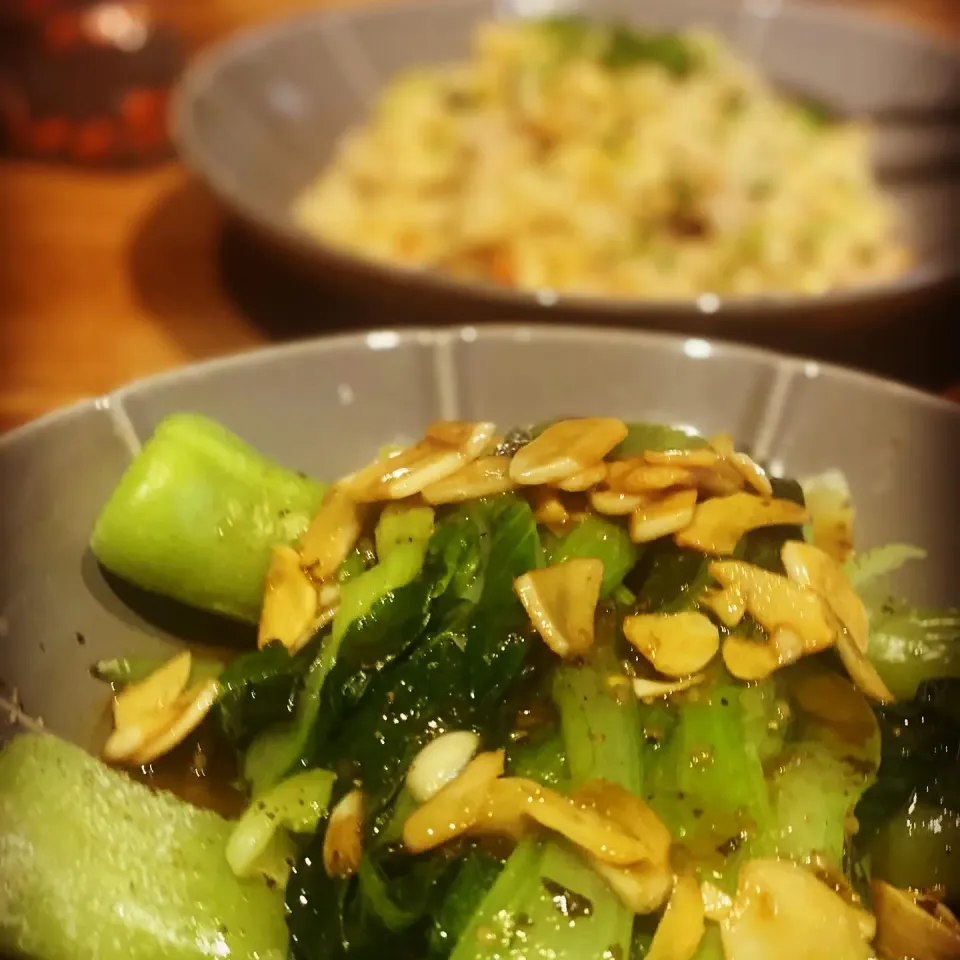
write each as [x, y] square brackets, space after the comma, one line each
[759, 308]
[434, 336]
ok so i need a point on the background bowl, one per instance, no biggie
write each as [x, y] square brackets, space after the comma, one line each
[325, 406]
[258, 116]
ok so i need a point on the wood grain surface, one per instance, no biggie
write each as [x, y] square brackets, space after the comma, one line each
[105, 277]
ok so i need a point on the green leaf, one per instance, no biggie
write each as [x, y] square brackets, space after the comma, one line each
[599, 538]
[259, 689]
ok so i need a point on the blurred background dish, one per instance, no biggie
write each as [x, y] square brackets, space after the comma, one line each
[260, 116]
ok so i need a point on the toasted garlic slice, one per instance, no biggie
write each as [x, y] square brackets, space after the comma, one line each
[581, 825]
[484, 477]
[612, 503]
[125, 742]
[194, 705]
[156, 693]
[749, 659]
[782, 910]
[630, 813]
[662, 516]
[585, 479]
[681, 928]
[831, 513]
[440, 762]
[549, 509]
[646, 689]
[727, 604]
[456, 807]
[754, 475]
[699, 457]
[565, 448]
[717, 904]
[814, 568]
[332, 534]
[677, 644]
[471, 438]
[912, 925]
[425, 463]
[722, 443]
[648, 478]
[862, 671]
[641, 888]
[503, 812]
[289, 601]
[561, 602]
[343, 841]
[718, 524]
[776, 602]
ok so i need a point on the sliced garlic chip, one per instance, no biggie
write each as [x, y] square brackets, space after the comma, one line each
[565, 448]
[549, 510]
[728, 605]
[677, 644]
[343, 841]
[613, 503]
[194, 705]
[630, 813]
[156, 693]
[647, 689]
[332, 534]
[776, 602]
[782, 910]
[455, 808]
[440, 762]
[718, 524]
[662, 516]
[472, 438]
[648, 478]
[585, 479]
[749, 660]
[912, 925]
[289, 601]
[862, 671]
[752, 473]
[425, 463]
[812, 567]
[581, 825]
[700, 457]
[717, 904]
[484, 477]
[561, 602]
[641, 888]
[681, 928]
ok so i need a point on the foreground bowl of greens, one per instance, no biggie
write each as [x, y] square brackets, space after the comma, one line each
[483, 643]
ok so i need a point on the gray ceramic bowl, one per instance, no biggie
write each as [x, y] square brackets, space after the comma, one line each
[257, 118]
[325, 406]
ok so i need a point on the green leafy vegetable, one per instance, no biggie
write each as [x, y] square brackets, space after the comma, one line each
[258, 689]
[297, 804]
[476, 873]
[655, 436]
[604, 540]
[917, 792]
[94, 866]
[381, 612]
[197, 514]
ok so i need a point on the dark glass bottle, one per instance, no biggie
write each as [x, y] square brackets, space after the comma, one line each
[86, 83]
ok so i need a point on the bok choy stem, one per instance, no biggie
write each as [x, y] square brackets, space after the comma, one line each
[548, 902]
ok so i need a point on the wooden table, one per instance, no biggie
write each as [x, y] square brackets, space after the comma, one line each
[107, 277]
